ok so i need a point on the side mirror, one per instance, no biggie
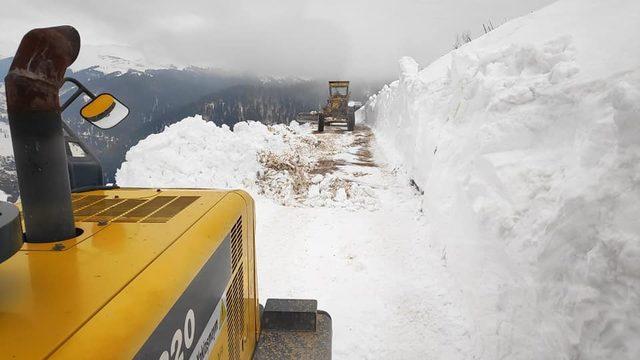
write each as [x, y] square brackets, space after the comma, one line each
[104, 111]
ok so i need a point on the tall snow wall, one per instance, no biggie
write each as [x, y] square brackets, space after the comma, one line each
[526, 143]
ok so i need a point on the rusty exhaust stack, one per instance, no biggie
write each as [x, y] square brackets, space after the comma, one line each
[32, 88]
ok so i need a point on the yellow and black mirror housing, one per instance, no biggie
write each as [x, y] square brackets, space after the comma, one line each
[104, 111]
[98, 108]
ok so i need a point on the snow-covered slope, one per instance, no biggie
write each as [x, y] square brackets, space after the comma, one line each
[526, 143]
[6, 147]
[106, 59]
[3, 102]
[113, 58]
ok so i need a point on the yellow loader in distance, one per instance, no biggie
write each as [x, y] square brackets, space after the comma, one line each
[337, 110]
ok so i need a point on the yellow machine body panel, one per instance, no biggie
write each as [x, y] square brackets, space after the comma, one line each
[155, 274]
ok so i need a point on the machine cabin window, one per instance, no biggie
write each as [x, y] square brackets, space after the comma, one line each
[341, 91]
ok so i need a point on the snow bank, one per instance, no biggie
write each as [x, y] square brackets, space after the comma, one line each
[527, 145]
[196, 153]
[280, 162]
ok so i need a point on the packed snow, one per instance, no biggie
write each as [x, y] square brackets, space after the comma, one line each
[527, 145]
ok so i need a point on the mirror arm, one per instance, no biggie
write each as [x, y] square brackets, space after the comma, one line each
[81, 89]
[70, 100]
[80, 86]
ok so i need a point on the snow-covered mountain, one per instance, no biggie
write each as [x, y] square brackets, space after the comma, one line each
[109, 59]
[526, 143]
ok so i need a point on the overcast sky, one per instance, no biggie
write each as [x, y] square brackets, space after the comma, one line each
[310, 38]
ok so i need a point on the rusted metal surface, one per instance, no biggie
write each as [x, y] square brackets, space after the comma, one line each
[33, 106]
[37, 71]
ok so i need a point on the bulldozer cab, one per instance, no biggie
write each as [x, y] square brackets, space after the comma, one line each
[338, 89]
[338, 99]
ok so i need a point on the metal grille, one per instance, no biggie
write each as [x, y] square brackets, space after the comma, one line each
[172, 209]
[145, 209]
[115, 211]
[235, 301]
[235, 296]
[236, 244]
[95, 208]
[86, 200]
[99, 208]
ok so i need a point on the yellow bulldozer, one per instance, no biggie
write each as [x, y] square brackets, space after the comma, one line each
[126, 273]
[337, 110]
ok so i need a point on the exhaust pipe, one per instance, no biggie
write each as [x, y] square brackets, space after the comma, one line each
[32, 89]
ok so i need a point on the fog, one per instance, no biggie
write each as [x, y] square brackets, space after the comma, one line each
[305, 38]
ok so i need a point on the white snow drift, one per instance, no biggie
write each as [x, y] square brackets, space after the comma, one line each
[527, 145]
[278, 161]
[196, 153]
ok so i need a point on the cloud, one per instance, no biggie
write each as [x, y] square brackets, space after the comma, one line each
[311, 38]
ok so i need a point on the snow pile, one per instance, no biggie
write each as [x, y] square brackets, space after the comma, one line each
[527, 145]
[332, 190]
[281, 162]
[195, 153]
